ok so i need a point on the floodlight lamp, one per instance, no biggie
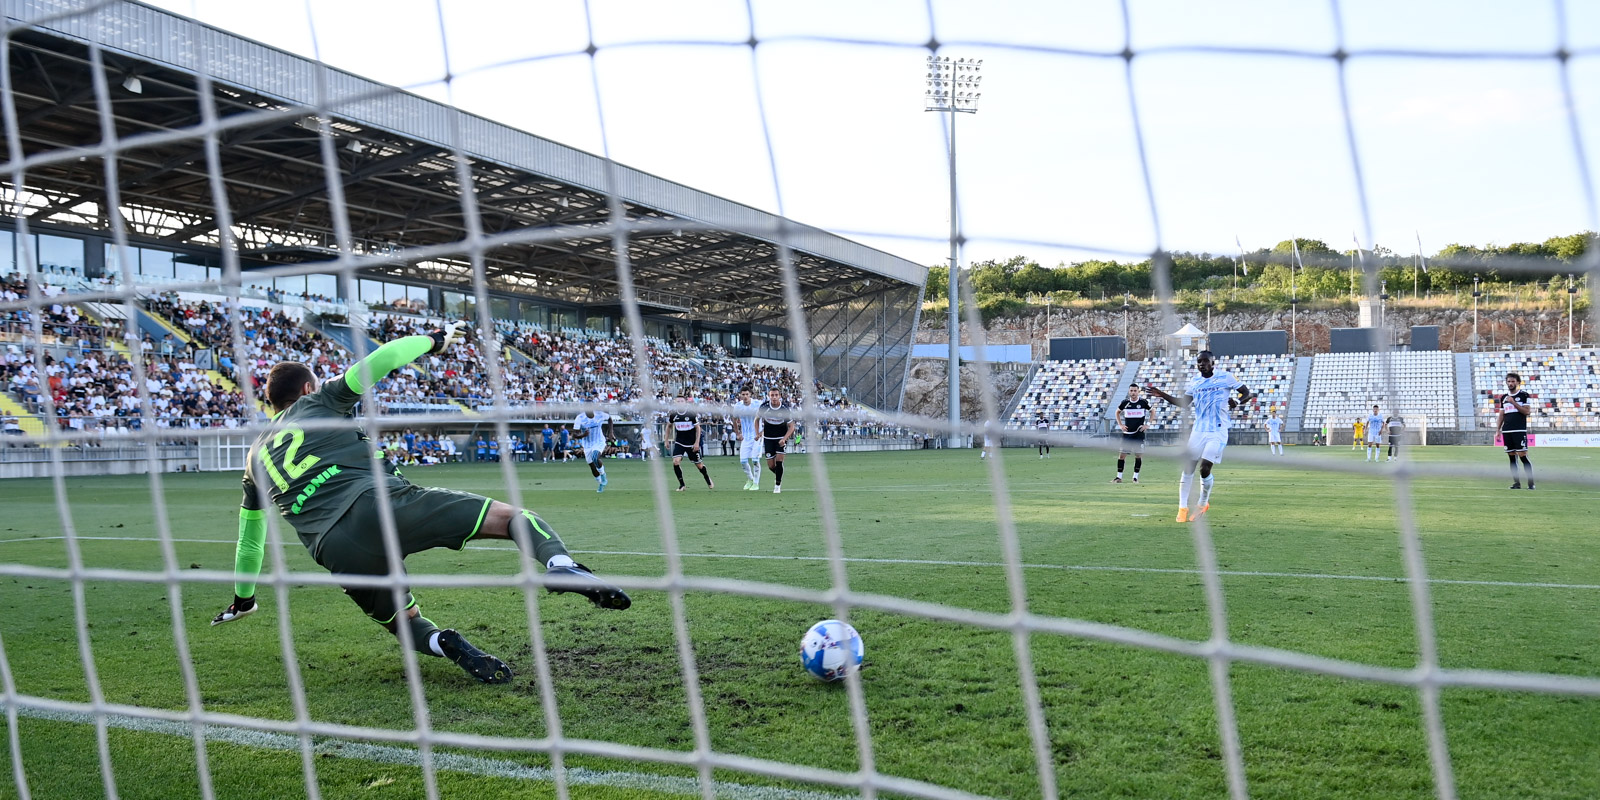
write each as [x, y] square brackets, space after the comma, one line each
[132, 84]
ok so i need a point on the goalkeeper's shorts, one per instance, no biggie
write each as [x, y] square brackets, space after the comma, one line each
[424, 518]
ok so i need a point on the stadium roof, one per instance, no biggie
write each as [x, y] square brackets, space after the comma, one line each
[540, 204]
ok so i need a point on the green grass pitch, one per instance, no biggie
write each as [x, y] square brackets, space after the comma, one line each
[943, 699]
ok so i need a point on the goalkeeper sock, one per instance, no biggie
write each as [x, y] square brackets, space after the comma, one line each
[424, 634]
[527, 529]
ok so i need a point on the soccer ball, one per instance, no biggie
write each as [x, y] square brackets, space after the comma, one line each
[830, 650]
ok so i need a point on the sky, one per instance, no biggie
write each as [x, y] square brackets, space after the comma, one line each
[1461, 126]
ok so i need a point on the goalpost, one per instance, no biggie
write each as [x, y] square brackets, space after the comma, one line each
[112, 35]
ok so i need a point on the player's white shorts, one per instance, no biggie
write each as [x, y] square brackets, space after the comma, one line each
[1208, 445]
[1374, 439]
[593, 454]
[750, 448]
[1274, 438]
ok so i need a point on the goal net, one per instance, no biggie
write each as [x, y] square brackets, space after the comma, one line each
[187, 206]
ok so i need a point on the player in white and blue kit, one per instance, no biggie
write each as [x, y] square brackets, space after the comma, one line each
[749, 435]
[1211, 401]
[1375, 428]
[1275, 434]
[593, 431]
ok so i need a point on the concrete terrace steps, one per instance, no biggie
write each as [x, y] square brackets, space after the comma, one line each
[1294, 417]
[1466, 401]
[31, 425]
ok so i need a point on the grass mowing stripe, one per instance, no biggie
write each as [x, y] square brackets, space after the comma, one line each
[1320, 576]
[454, 762]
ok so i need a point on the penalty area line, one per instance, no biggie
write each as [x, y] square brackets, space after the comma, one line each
[454, 762]
[1226, 573]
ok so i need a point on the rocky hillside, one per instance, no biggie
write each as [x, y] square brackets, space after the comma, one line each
[926, 393]
[1144, 327]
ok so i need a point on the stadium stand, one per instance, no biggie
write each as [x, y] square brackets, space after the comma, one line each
[1345, 386]
[1072, 394]
[89, 372]
[1270, 378]
[1563, 384]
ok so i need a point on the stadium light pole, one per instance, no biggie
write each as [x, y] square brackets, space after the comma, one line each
[1383, 303]
[1475, 295]
[951, 87]
[1208, 312]
[1125, 305]
[1572, 292]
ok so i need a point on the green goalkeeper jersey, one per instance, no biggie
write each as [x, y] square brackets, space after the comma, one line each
[313, 474]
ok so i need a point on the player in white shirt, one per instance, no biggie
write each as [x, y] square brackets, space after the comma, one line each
[592, 430]
[1209, 398]
[1275, 433]
[749, 435]
[647, 438]
[990, 450]
[1374, 426]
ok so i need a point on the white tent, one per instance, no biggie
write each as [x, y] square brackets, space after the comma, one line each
[1188, 337]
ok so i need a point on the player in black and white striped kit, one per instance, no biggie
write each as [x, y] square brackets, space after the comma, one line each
[1513, 426]
[777, 428]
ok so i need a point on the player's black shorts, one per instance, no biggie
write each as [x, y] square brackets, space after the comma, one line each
[1515, 442]
[424, 518]
[687, 451]
[1133, 443]
[773, 447]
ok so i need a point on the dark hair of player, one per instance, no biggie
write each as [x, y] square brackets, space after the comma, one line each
[1206, 354]
[1514, 375]
[285, 381]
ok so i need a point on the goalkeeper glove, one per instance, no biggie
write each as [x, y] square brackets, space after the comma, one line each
[448, 335]
[241, 606]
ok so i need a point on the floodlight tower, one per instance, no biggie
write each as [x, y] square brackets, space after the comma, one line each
[951, 87]
[1572, 291]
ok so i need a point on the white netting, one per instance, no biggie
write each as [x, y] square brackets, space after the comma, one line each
[627, 218]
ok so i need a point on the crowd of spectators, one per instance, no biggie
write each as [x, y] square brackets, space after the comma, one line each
[97, 390]
[62, 323]
[91, 378]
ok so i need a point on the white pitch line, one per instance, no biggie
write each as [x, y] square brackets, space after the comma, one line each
[1325, 576]
[455, 762]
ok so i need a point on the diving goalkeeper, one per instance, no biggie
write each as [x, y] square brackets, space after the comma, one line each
[323, 483]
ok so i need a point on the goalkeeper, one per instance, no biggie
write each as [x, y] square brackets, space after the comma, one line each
[322, 481]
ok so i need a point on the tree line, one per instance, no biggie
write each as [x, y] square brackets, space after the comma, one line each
[1322, 274]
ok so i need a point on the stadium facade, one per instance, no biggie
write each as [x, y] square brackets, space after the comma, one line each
[535, 223]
